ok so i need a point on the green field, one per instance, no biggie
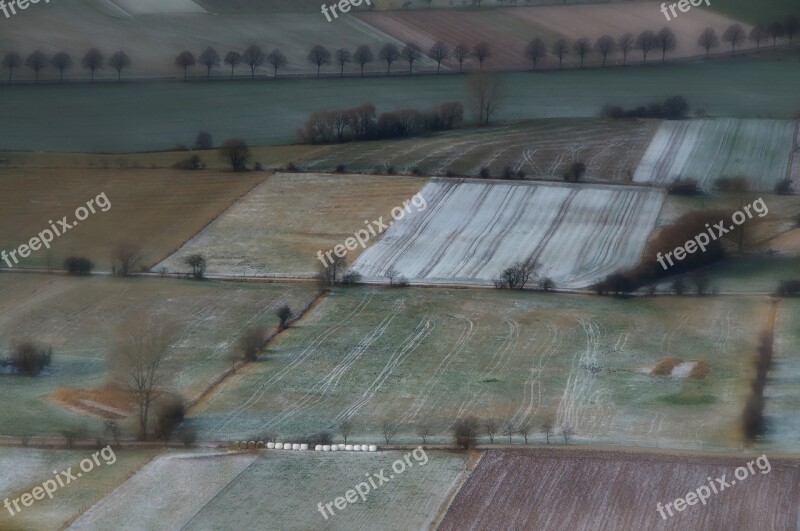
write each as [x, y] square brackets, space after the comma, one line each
[419, 355]
[78, 318]
[68, 118]
[761, 12]
[26, 468]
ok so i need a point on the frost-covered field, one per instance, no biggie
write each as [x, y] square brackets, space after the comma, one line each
[470, 232]
[783, 386]
[577, 489]
[706, 150]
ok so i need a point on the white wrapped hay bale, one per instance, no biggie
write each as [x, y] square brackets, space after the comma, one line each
[295, 446]
[304, 446]
[356, 447]
[318, 448]
[334, 448]
[287, 446]
[271, 445]
[341, 447]
[373, 448]
[326, 448]
[279, 446]
[349, 447]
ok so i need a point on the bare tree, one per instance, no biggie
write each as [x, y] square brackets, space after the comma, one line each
[36, 62]
[582, 47]
[439, 52]
[733, 36]
[547, 430]
[667, 41]
[461, 53]
[486, 95]
[775, 31]
[203, 141]
[791, 26]
[758, 35]
[567, 432]
[184, 60]
[119, 61]
[604, 46]
[141, 346]
[11, 60]
[518, 275]
[93, 61]
[253, 57]
[284, 314]
[61, 61]
[125, 258]
[346, 428]
[329, 272]
[319, 55]
[363, 56]
[342, 58]
[236, 152]
[233, 59]
[276, 60]
[251, 343]
[509, 431]
[645, 42]
[482, 52]
[390, 54]
[411, 53]
[560, 49]
[424, 430]
[625, 43]
[490, 428]
[535, 51]
[198, 265]
[389, 428]
[525, 431]
[210, 59]
[708, 40]
[465, 432]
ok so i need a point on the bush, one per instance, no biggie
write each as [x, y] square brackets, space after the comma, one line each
[78, 265]
[29, 358]
[508, 173]
[789, 288]
[192, 163]
[292, 168]
[351, 278]
[340, 168]
[484, 173]
[251, 343]
[465, 433]
[203, 141]
[684, 187]
[169, 414]
[546, 284]
[322, 437]
[673, 108]
[258, 167]
[284, 314]
[180, 147]
[784, 187]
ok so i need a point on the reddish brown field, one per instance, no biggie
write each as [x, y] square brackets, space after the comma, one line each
[509, 30]
[590, 490]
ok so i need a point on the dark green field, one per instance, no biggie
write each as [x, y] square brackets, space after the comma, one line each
[154, 116]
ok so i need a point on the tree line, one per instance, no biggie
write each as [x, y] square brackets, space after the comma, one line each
[254, 57]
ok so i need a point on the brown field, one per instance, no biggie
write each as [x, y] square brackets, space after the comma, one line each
[577, 490]
[508, 31]
[281, 224]
[155, 210]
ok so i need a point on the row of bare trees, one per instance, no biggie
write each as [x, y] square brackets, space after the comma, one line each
[93, 61]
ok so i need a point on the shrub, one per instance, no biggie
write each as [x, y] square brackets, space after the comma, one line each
[789, 288]
[508, 173]
[203, 141]
[78, 265]
[322, 437]
[258, 167]
[351, 278]
[465, 433]
[484, 173]
[251, 343]
[192, 163]
[169, 414]
[546, 284]
[29, 358]
[340, 168]
[684, 187]
[284, 314]
[292, 168]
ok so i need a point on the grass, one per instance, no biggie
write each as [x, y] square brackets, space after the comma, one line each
[78, 317]
[417, 355]
[26, 468]
[65, 118]
[154, 210]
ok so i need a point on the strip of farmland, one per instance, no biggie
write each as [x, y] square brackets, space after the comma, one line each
[578, 234]
[558, 490]
[706, 150]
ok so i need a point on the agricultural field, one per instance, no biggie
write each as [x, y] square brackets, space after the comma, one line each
[430, 356]
[781, 393]
[25, 468]
[278, 228]
[611, 150]
[154, 32]
[510, 30]
[472, 231]
[742, 87]
[78, 317]
[706, 150]
[152, 210]
[561, 490]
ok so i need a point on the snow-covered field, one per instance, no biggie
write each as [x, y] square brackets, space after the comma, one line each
[472, 231]
[706, 150]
